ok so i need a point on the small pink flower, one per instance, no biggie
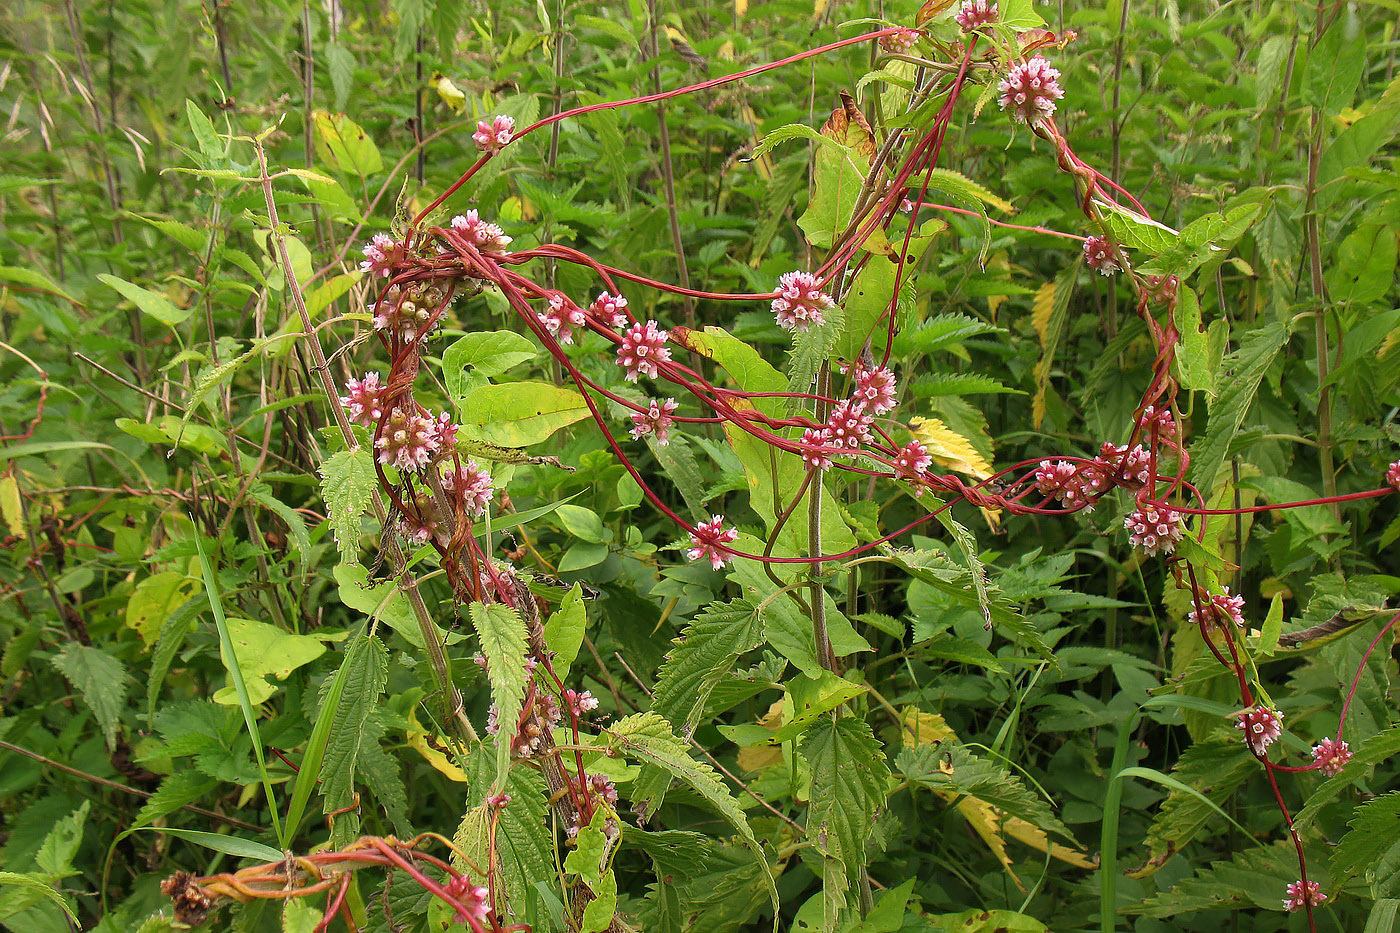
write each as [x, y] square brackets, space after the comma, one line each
[470, 483]
[1029, 90]
[1217, 609]
[562, 316]
[1154, 528]
[912, 462]
[480, 233]
[813, 440]
[382, 254]
[707, 539]
[1075, 486]
[655, 421]
[1157, 423]
[610, 309]
[408, 441]
[849, 425]
[499, 801]
[643, 347]
[875, 389]
[1131, 469]
[427, 524]
[1331, 756]
[1099, 254]
[800, 301]
[899, 42]
[1161, 289]
[580, 701]
[491, 136]
[473, 900]
[1261, 727]
[974, 14]
[1300, 896]
[603, 788]
[364, 400]
[1392, 475]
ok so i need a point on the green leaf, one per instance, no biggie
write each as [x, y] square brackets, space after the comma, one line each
[61, 844]
[152, 303]
[957, 770]
[564, 630]
[812, 698]
[810, 348]
[1334, 68]
[101, 680]
[1135, 230]
[1372, 846]
[177, 790]
[346, 711]
[340, 62]
[383, 601]
[264, 651]
[503, 642]
[30, 278]
[1235, 387]
[965, 189]
[521, 413]
[261, 493]
[342, 143]
[1251, 878]
[1364, 266]
[347, 486]
[1365, 755]
[850, 782]
[173, 631]
[647, 738]
[486, 354]
[700, 657]
[236, 846]
[154, 599]
[211, 147]
[1214, 766]
[32, 884]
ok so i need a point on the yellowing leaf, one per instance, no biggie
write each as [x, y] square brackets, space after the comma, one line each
[10, 506]
[451, 95]
[154, 599]
[740, 8]
[1041, 308]
[818, 8]
[917, 727]
[1033, 836]
[265, 650]
[948, 448]
[998, 262]
[434, 750]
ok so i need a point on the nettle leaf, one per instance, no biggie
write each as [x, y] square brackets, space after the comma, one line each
[55, 856]
[1236, 385]
[177, 790]
[1132, 229]
[1215, 767]
[810, 348]
[701, 656]
[347, 486]
[524, 839]
[154, 600]
[839, 176]
[1252, 878]
[1372, 846]
[33, 888]
[647, 738]
[366, 667]
[956, 770]
[503, 642]
[850, 783]
[102, 681]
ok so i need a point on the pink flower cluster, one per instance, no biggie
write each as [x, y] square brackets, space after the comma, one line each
[848, 426]
[912, 461]
[427, 524]
[562, 316]
[491, 135]
[472, 485]
[1331, 757]
[643, 346]
[708, 539]
[382, 254]
[899, 42]
[974, 14]
[1130, 469]
[1218, 608]
[814, 440]
[1154, 528]
[610, 309]
[540, 715]
[1075, 486]
[1099, 255]
[364, 400]
[401, 316]
[800, 301]
[411, 441]
[580, 702]
[1300, 895]
[656, 421]
[473, 900]
[1261, 726]
[1392, 475]
[1029, 90]
[479, 233]
[1157, 423]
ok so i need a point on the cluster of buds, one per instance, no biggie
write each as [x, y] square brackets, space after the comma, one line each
[655, 421]
[382, 254]
[800, 301]
[1300, 895]
[473, 900]
[411, 441]
[592, 788]
[974, 14]
[1216, 609]
[1331, 757]
[899, 42]
[579, 702]
[1029, 91]
[848, 426]
[1100, 256]
[491, 135]
[708, 539]
[538, 717]
[1392, 475]
[610, 310]
[1261, 725]
[912, 462]
[405, 314]
[1154, 528]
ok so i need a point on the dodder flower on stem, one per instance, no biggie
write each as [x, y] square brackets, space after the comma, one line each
[656, 421]
[1261, 727]
[1029, 90]
[1218, 608]
[382, 253]
[849, 425]
[491, 136]
[408, 441]
[813, 440]
[706, 541]
[562, 316]
[875, 389]
[801, 301]
[974, 14]
[472, 485]
[400, 316]
[899, 42]
[1075, 486]
[643, 346]
[1131, 469]
[1157, 422]
[1099, 255]
[364, 400]
[1392, 475]
[1299, 896]
[1331, 756]
[1154, 528]
[912, 461]
[482, 234]
[474, 899]
[610, 309]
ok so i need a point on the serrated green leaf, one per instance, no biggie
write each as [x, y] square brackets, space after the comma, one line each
[347, 486]
[100, 679]
[503, 642]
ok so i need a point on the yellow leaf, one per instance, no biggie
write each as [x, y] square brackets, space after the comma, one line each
[451, 95]
[917, 727]
[10, 506]
[818, 8]
[434, 750]
[1041, 308]
[949, 448]
[740, 8]
[998, 262]
[1033, 836]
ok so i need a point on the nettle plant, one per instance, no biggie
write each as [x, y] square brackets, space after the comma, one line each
[549, 780]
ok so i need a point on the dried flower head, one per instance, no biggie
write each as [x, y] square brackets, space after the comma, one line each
[800, 302]
[974, 14]
[1261, 726]
[1029, 90]
[1330, 757]
[1099, 255]
[707, 541]
[491, 135]
[643, 347]
[1154, 528]
[656, 421]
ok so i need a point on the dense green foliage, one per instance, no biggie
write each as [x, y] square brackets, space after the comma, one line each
[207, 648]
